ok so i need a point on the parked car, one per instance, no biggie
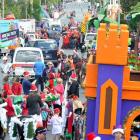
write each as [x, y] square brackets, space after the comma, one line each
[32, 36]
[49, 48]
[90, 36]
[24, 60]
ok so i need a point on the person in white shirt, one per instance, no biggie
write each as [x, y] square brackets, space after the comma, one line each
[5, 66]
[57, 125]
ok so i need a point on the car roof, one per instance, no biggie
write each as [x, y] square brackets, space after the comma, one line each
[28, 48]
[91, 33]
[47, 40]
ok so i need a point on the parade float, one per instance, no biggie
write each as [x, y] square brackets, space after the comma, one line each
[111, 88]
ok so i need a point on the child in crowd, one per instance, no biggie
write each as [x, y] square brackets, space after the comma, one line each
[51, 83]
[57, 126]
[60, 90]
[16, 87]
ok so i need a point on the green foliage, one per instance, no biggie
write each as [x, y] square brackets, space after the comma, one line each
[30, 130]
[15, 130]
[135, 8]
[127, 4]
[33, 10]
[36, 9]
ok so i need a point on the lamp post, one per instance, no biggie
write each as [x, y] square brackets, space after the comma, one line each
[119, 14]
[3, 9]
[26, 8]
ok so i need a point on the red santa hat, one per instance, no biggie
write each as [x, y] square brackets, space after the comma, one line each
[51, 75]
[75, 97]
[73, 76]
[91, 136]
[56, 110]
[33, 87]
[26, 73]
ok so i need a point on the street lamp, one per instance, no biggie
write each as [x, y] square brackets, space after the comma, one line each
[119, 14]
[26, 8]
[3, 9]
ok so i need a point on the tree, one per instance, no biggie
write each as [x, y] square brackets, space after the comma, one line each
[36, 10]
[127, 4]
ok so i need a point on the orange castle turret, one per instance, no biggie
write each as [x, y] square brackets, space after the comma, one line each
[112, 45]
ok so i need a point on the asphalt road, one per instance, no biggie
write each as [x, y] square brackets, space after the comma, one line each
[79, 7]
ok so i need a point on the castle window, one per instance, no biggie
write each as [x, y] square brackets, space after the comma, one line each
[108, 107]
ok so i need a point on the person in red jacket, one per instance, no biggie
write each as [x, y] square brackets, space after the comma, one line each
[6, 87]
[9, 108]
[17, 86]
[66, 41]
[24, 106]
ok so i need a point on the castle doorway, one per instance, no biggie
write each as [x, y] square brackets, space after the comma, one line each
[132, 125]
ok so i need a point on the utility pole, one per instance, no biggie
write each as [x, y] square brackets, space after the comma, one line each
[3, 9]
[26, 8]
[119, 14]
[31, 2]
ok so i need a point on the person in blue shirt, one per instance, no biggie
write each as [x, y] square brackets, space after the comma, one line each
[26, 84]
[39, 67]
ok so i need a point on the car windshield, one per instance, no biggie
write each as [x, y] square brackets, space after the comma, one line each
[56, 27]
[27, 56]
[45, 45]
[91, 37]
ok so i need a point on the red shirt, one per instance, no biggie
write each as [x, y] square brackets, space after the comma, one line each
[17, 88]
[9, 107]
[7, 89]
[24, 109]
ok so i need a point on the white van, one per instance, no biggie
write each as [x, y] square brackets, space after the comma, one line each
[90, 36]
[24, 60]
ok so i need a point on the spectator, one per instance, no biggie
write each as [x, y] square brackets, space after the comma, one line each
[34, 102]
[40, 134]
[9, 108]
[38, 69]
[26, 84]
[5, 66]
[118, 133]
[49, 69]
[74, 87]
[78, 107]
[57, 126]
[6, 87]
[60, 89]
[17, 86]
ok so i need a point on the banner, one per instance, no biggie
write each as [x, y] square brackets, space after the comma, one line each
[6, 36]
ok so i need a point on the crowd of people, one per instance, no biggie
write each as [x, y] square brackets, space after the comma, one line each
[46, 97]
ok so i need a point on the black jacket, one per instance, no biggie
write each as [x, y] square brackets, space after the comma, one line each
[34, 104]
[74, 89]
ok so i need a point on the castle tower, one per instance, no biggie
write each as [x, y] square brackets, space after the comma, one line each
[104, 81]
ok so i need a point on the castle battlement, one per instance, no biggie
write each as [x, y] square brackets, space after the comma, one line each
[112, 44]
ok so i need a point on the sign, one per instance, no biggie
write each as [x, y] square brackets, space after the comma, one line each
[9, 35]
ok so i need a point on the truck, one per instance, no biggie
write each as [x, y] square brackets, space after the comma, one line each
[8, 34]
[26, 25]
